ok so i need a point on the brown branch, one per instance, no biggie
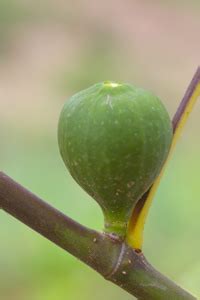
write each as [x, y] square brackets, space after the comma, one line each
[78, 240]
[115, 260]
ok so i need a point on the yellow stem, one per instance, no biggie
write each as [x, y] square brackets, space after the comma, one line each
[136, 225]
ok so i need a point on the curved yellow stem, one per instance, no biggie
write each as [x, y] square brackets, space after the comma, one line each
[137, 221]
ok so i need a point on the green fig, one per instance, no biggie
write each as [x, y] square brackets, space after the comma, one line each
[114, 139]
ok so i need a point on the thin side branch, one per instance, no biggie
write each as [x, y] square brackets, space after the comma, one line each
[140, 212]
[184, 103]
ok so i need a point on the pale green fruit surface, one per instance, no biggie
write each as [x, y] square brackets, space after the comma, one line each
[114, 139]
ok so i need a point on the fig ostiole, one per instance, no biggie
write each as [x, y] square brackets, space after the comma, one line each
[114, 139]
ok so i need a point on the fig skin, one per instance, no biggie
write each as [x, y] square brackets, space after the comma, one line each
[114, 139]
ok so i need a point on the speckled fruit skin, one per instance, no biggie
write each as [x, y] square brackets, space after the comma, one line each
[114, 139]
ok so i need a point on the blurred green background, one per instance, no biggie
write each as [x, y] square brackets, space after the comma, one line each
[52, 49]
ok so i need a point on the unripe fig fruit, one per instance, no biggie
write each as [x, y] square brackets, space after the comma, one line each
[114, 139]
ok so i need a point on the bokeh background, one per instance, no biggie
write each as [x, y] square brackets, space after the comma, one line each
[52, 49]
